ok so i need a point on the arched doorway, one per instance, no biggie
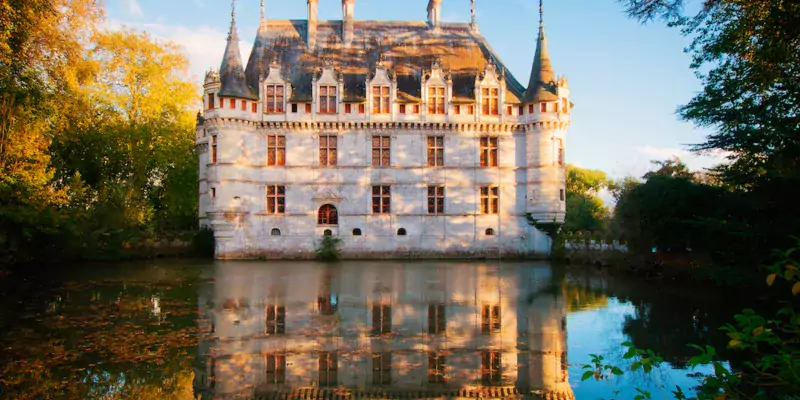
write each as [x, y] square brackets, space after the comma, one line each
[327, 215]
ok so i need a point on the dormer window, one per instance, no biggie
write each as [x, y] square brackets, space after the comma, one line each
[275, 98]
[380, 99]
[327, 99]
[436, 100]
[489, 101]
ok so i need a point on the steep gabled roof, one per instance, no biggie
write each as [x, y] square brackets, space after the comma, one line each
[409, 48]
[542, 85]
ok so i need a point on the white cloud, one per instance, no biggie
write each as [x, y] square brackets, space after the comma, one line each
[134, 8]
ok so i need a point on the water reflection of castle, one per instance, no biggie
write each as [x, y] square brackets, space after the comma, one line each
[383, 330]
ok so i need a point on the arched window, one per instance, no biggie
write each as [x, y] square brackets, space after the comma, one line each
[327, 232]
[327, 215]
[401, 232]
[489, 232]
[356, 232]
[275, 232]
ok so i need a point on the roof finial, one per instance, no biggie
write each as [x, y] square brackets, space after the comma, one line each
[232, 34]
[472, 23]
[263, 11]
[541, 13]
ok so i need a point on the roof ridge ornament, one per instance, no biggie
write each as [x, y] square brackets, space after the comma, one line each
[263, 11]
[473, 24]
[232, 35]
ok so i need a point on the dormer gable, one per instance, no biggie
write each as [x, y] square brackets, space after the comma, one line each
[382, 88]
[275, 75]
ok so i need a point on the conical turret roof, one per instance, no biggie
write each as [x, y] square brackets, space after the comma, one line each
[542, 84]
[231, 72]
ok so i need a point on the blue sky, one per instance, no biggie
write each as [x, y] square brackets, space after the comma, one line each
[626, 79]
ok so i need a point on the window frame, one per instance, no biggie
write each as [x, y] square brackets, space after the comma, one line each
[436, 367]
[327, 215]
[381, 99]
[328, 153]
[327, 102]
[328, 369]
[381, 318]
[384, 151]
[490, 200]
[278, 106]
[491, 319]
[489, 151]
[276, 150]
[490, 101]
[435, 146]
[382, 200]
[436, 196]
[491, 368]
[382, 368]
[275, 316]
[437, 318]
[211, 101]
[275, 368]
[275, 200]
[437, 96]
[214, 154]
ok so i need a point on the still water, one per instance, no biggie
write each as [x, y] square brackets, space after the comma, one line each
[281, 330]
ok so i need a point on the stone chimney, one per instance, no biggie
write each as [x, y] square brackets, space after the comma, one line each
[311, 39]
[348, 9]
[434, 13]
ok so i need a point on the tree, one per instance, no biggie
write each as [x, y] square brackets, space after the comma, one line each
[752, 84]
[585, 210]
[673, 167]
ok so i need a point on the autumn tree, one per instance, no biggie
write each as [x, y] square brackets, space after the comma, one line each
[585, 210]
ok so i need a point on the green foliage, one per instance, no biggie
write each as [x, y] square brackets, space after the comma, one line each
[96, 136]
[771, 347]
[585, 211]
[329, 248]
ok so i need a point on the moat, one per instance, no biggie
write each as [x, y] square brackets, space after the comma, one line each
[220, 330]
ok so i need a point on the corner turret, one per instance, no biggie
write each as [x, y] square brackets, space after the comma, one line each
[542, 83]
[231, 71]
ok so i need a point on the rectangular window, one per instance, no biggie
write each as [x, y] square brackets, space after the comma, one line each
[361, 108]
[276, 319]
[381, 200]
[435, 151]
[530, 109]
[489, 203]
[276, 199]
[561, 194]
[348, 108]
[254, 108]
[327, 150]
[381, 151]
[276, 368]
[509, 110]
[435, 200]
[402, 108]
[275, 99]
[308, 108]
[382, 368]
[436, 319]
[488, 151]
[276, 150]
[555, 107]
[565, 106]
[327, 99]
[233, 104]
[244, 105]
[380, 99]
[542, 107]
[457, 110]
[381, 319]
[294, 108]
[211, 105]
[489, 101]
[436, 363]
[490, 368]
[560, 150]
[213, 193]
[416, 108]
[436, 100]
[490, 319]
[214, 149]
[328, 369]
[471, 110]
[520, 110]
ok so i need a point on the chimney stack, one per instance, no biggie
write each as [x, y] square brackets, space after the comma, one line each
[434, 13]
[348, 9]
[311, 39]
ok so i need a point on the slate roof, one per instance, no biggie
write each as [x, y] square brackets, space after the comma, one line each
[231, 71]
[409, 48]
[542, 85]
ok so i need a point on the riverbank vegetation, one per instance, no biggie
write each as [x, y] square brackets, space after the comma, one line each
[96, 135]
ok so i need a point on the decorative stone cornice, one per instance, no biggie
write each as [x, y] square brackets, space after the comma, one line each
[480, 127]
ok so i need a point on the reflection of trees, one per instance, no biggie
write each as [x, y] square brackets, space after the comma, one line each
[109, 340]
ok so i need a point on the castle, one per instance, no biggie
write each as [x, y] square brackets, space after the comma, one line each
[403, 139]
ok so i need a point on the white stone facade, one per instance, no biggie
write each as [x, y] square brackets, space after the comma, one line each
[237, 170]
